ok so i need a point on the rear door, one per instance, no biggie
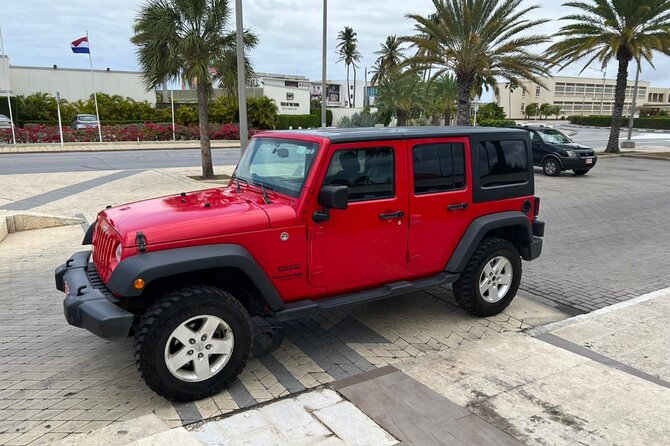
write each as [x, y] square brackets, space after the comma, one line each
[364, 244]
[440, 200]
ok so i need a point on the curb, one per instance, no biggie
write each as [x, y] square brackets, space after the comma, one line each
[604, 127]
[585, 317]
[11, 223]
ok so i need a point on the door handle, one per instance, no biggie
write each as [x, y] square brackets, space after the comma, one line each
[392, 215]
[457, 207]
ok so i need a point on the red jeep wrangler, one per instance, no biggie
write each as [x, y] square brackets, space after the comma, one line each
[311, 220]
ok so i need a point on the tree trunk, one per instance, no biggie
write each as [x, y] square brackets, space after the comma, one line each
[402, 118]
[619, 99]
[353, 102]
[464, 85]
[203, 115]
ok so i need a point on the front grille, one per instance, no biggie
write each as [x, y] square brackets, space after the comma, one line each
[97, 282]
[104, 245]
[586, 154]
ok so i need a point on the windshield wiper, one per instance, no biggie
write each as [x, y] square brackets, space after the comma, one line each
[264, 188]
[239, 180]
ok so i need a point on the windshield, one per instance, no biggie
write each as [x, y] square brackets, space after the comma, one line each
[278, 164]
[87, 118]
[552, 136]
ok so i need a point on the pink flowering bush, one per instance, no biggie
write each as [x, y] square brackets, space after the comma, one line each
[35, 134]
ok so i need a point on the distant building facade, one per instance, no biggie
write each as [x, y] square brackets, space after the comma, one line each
[72, 83]
[578, 96]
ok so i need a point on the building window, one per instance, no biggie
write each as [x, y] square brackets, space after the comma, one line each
[523, 108]
[438, 167]
[537, 91]
[523, 93]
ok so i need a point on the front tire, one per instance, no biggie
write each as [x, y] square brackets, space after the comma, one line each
[192, 343]
[490, 279]
[580, 172]
[551, 167]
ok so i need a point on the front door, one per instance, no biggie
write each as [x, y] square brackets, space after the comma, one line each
[364, 244]
[441, 201]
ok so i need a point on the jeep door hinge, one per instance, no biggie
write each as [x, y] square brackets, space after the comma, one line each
[141, 241]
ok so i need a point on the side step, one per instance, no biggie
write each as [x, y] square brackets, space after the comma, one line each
[306, 307]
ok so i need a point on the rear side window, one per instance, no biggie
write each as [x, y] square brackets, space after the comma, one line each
[438, 167]
[369, 173]
[502, 163]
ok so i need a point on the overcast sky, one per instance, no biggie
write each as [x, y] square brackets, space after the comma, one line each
[39, 32]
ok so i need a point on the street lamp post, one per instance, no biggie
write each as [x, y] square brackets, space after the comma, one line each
[629, 143]
[324, 55]
[241, 82]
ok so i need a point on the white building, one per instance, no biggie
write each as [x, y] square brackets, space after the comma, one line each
[72, 83]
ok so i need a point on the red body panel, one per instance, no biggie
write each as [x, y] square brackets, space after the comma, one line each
[354, 250]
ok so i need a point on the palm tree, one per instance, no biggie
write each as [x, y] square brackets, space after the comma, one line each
[226, 67]
[400, 94]
[443, 93]
[184, 39]
[347, 49]
[624, 30]
[479, 41]
[390, 56]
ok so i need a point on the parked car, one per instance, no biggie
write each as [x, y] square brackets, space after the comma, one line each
[5, 122]
[311, 220]
[84, 121]
[555, 152]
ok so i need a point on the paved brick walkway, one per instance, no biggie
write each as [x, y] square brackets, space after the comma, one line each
[606, 236]
[605, 242]
[115, 146]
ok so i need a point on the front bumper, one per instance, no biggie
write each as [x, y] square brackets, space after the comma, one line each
[579, 162]
[87, 306]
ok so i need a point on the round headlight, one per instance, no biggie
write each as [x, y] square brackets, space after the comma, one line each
[119, 249]
[571, 153]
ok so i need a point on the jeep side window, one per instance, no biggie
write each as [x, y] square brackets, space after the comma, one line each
[369, 173]
[438, 167]
[502, 163]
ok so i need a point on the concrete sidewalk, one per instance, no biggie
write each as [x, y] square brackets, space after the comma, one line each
[112, 146]
[596, 379]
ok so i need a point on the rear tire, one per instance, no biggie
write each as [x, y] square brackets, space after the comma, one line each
[551, 167]
[580, 172]
[192, 343]
[490, 279]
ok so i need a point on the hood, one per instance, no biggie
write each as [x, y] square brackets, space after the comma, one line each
[193, 215]
[574, 146]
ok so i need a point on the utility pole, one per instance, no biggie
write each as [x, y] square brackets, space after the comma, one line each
[602, 93]
[629, 143]
[324, 55]
[241, 82]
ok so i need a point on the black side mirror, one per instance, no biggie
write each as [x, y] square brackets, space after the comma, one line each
[331, 197]
[334, 197]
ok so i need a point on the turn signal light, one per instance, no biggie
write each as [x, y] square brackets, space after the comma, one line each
[138, 284]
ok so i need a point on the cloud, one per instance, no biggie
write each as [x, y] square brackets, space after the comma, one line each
[40, 31]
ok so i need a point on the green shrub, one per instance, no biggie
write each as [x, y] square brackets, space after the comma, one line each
[496, 123]
[606, 121]
[358, 120]
[186, 115]
[329, 115]
[295, 121]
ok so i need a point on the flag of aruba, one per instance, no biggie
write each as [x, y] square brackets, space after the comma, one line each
[81, 46]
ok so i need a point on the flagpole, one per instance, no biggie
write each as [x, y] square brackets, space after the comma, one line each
[9, 101]
[60, 122]
[95, 95]
[174, 136]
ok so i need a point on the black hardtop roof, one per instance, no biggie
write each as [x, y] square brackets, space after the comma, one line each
[386, 133]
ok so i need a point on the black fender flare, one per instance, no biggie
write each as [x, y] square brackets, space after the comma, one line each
[479, 228]
[160, 264]
[88, 237]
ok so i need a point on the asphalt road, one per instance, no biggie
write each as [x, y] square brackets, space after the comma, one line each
[84, 161]
[157, 159]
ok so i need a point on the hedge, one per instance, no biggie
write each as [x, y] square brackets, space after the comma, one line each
[606, 121]
[295, 121]
[496, 123]
[329, 115]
